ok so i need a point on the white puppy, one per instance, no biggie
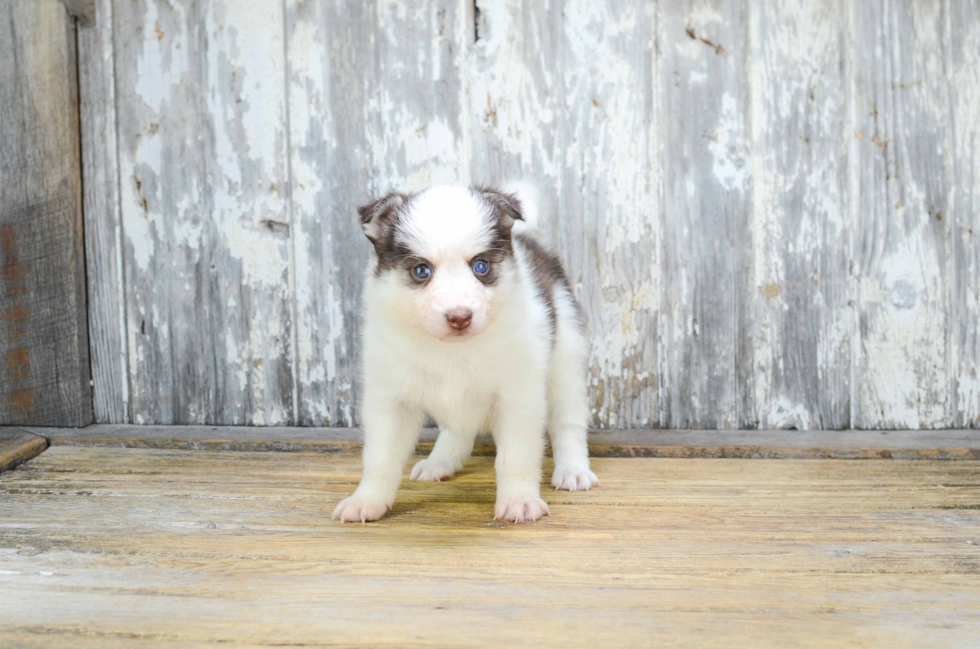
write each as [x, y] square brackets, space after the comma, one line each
[479, 329]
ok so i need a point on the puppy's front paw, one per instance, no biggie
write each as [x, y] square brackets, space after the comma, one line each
[429, 470]
[359, 509]
[572, 478]
[520, 510]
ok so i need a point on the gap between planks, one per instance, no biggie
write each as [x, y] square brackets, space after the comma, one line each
[761, 444]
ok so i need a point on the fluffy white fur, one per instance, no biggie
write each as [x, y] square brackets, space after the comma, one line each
[509, 372]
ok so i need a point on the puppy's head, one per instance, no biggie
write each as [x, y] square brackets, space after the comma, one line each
[444, 257]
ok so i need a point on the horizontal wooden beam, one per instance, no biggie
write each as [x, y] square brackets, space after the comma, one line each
[761, 444]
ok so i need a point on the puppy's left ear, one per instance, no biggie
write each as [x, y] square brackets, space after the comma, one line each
[506, 207]
[381, 214]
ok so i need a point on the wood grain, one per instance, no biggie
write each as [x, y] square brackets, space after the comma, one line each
[964, 224]
[238, 549]
[18, 446]
[900, 186]
[563, 96]
[802, 288]
[375, 94]
[103, 226]
[44, 369]
[202, 138]
[709, 365]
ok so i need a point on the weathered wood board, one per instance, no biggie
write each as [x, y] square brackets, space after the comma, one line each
[203, 183]
[44, 368]
[706, 337]
[563, 96]
[902, 144]
[360, 124]
[964, 224]
[768, 209]
[176, 548]
[103, 228]
[802, 290]
[18, 446]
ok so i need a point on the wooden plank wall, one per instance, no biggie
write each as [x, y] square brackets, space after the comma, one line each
[769, 209]
[44, 354]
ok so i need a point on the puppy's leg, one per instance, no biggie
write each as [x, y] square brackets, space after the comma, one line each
[390, 433]
[446, 458]
[569, 410]
[519, 434]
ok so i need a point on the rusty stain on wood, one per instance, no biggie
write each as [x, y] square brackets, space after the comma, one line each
[20, 398]
[18, 365]
[16, 361]
[16, 318]
[22, 404]
[11, 271]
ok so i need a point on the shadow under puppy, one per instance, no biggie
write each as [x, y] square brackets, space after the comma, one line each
[476, 325]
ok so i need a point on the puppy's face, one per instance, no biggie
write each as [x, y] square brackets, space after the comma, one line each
[444, 257]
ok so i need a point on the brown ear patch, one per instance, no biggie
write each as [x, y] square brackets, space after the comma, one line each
[381, 215]
[505, 207]
[504, 210]
[380, 220]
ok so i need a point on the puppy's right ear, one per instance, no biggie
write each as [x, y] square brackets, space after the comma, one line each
[382, 214]
[506, 207]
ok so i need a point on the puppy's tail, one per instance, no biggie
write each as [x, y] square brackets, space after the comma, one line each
[527, 194]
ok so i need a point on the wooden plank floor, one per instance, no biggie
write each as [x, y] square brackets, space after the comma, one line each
[150, 547]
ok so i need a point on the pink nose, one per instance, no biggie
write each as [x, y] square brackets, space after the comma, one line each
[459, 318]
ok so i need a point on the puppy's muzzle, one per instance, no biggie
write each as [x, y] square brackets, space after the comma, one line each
[459, 318]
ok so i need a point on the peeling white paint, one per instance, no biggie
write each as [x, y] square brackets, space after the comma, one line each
[965, 222]
[903, 294]
[160, 66]
[785, 414]
[504, 97]
[798, 218]
[727, 146]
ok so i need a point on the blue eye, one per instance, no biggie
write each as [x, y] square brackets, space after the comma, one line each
[422, 271]
[480, 267]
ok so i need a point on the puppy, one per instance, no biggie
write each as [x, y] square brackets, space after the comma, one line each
[475, 325]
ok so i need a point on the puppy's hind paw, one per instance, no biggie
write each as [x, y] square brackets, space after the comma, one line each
[573, 478]
[520, 510]
[358, 509]
[429, 470]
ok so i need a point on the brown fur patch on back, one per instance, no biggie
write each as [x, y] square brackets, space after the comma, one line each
[546, 271]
